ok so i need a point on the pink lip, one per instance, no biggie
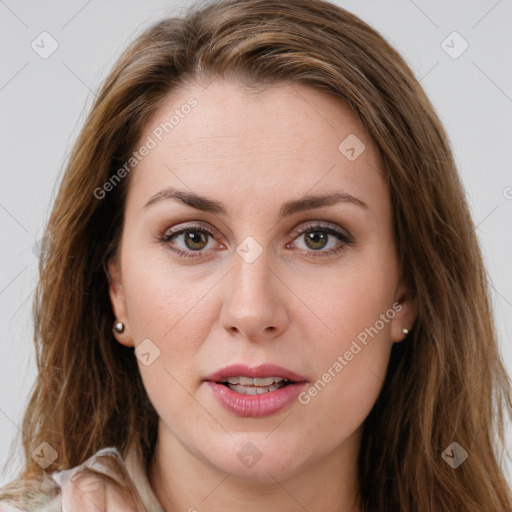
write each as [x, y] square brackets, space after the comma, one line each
[264, 370]
[255, 406]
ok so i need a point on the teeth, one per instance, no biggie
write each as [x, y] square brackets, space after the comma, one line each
[249, 381]
[254, 386]
[253, 390]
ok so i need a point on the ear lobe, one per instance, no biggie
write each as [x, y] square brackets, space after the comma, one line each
[405, 316]
[118, 301]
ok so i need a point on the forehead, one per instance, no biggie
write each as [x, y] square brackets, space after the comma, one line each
[297, 114]
[291, 137]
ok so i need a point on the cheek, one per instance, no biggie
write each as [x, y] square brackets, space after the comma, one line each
[352, 354]
[166, 308]
[172, 308]
[349, 373]
[351, 298]
[161, 298]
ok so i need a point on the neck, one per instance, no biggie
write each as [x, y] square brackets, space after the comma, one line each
[182, 481]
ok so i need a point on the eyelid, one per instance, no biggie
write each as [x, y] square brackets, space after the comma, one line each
[299, 230]
[302, 228]
[189, 226]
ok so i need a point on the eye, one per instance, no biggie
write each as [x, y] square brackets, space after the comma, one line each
[192, 239]
[319, 236]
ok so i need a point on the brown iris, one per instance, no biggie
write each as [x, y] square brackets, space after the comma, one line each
[194, 239]
[317, 238]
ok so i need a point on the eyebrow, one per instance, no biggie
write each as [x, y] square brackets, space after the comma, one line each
[205, 204]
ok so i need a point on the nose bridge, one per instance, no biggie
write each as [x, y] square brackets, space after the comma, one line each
[252, 303]
[251, 277]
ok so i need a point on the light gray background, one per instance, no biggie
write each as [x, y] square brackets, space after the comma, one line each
[44, 101]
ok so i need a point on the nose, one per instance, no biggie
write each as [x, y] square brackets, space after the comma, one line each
[253, 305]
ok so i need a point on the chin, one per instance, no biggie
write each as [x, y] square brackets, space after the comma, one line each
[259, 457]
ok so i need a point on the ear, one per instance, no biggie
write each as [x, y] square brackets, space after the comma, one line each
[406, 308]
[118, 301]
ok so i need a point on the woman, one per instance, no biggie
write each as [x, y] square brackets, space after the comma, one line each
[261, 286]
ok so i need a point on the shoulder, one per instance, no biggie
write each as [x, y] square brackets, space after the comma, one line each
[5, 507]
[37, 494]
[50, 491]
[44, 492]
[54, 505]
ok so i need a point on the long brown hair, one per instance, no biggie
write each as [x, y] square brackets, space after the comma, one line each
[445, 384]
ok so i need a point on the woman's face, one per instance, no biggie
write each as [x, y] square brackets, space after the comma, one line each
[226, 259]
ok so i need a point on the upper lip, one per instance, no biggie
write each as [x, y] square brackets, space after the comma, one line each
[264, 370]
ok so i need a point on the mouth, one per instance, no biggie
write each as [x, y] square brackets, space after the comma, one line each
[254, 385]
[256, 379]
[255, 391]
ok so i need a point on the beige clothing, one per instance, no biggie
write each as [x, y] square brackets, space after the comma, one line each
[48, 496]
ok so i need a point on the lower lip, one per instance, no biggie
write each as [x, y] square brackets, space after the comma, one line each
[256, 406]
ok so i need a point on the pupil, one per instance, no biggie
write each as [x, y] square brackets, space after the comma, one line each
[195, 238]
[317, 238]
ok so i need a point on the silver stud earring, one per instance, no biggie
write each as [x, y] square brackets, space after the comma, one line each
[119, 327]
[405, 331]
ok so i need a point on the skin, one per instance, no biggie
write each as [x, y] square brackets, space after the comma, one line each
[253, 153]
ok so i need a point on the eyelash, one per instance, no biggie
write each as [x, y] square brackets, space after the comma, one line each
[346, 240]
